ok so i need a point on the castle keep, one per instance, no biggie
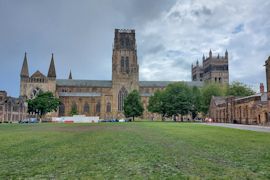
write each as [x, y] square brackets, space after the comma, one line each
[103, 98]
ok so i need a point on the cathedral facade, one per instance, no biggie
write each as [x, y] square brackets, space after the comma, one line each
[103, 98]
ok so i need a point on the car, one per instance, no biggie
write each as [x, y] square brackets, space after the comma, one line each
[24, 121]
[33, 120]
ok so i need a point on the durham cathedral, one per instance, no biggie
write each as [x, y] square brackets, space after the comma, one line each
[105, 98]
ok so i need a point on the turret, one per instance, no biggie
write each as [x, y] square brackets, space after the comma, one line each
[70, 75]
[203, 58]
[226, 54]
[24, 71]
[267, 69]
[210, 53]
[51, 72]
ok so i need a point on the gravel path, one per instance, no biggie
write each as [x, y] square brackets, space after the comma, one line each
[242, 126]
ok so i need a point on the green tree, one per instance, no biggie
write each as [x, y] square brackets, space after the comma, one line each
[73, 111]
[43, 103]
[132, 105]
[239, 89]
[196, 101]
[209, 90]
[156, 104]
[178, 99]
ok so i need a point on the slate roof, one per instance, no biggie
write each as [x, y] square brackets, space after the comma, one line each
[108, 84]
[84, 83]
[166, 83]
[79, 94]
[218, 100]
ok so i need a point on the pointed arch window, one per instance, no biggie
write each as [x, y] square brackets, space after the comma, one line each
[35, 92]
[127, 65]
[86, 108]
[121, 97]
[122, 64]
[108, 107]
[98, 107]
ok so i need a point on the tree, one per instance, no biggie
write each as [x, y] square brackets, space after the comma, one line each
[178, 99]
[43, 103]
[239, 89]
[73, 111]
[196, 101]
[132, 105]
[156, 104]
[209, 90]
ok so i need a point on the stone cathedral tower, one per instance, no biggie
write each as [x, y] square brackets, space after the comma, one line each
[30, 86]
[125, 68]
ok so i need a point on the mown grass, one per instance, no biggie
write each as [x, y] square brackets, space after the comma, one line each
[141, 150]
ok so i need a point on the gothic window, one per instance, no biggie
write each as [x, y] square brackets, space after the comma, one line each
[86, 108]
[98, 107]
[127, 65]
[61, 109]
[121, 96]
[108, 107]
[122, 64]
[127, 43]
[35, 92]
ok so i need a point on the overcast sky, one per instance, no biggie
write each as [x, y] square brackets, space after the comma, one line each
[171, 35]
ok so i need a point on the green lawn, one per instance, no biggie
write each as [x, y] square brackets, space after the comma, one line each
[140, 150]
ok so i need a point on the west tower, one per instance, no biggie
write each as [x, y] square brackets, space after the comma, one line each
[125, 68]
[30, 86]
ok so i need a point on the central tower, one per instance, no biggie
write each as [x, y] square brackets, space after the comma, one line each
[125, 68]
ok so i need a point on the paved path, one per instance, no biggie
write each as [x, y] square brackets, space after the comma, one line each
[242, 126]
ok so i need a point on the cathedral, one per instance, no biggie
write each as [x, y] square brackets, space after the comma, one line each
[213, 69]
[103, 98]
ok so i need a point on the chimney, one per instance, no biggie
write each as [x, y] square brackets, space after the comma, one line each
[261, 88]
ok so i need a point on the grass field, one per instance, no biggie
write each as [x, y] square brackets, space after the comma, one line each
[137, 150]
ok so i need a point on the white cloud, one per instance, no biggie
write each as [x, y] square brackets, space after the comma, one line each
[191, 28]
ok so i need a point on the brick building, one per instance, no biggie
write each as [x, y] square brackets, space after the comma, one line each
[244, 110]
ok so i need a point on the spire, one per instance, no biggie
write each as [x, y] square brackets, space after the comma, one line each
[197, 63]
[218, 56]
[70, 75]
[226, 54]
[24, 71]
[203, 58]
[210, 53]
[51, 72]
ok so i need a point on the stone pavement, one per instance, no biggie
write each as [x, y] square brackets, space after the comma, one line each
[242, 126]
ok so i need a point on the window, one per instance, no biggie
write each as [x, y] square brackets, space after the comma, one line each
[98, 107]
[121, 97]
[127, 65]
[86, 108]
[122, 64]
[108, 107]
[35, 92]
